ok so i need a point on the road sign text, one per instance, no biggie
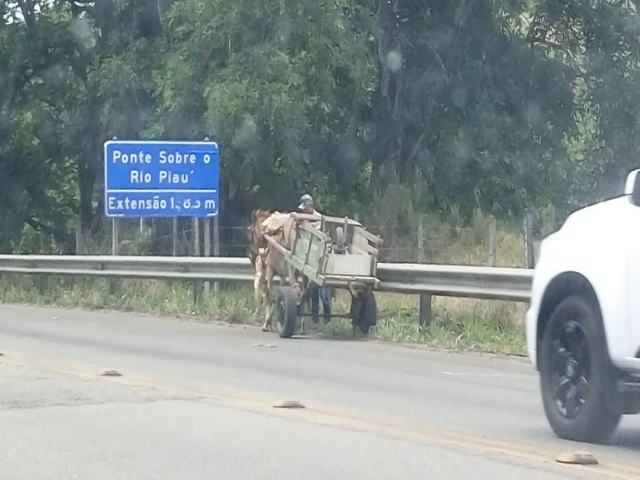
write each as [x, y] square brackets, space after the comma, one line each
[161, 179]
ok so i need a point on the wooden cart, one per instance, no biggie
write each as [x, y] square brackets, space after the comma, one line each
[340, 254]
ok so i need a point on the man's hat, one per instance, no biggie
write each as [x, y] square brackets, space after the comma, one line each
[305, 201]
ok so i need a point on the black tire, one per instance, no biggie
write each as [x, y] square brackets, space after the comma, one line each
[576, 374]
[364, 311]
[286, 311]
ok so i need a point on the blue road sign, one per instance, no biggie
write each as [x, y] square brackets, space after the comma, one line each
[161, 179]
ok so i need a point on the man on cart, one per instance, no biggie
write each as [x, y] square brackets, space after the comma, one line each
[306, 206]
[316, 292]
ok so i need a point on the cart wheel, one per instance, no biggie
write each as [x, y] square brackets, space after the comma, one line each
[364, 311]
[340, 241]
[287, 308]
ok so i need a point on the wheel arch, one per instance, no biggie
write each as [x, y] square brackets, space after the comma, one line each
[562, 286]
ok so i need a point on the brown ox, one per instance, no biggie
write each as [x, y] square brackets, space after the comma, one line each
[270, 261]
[256, 244]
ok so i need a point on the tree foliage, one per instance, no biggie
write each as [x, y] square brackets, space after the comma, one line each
[376, 107]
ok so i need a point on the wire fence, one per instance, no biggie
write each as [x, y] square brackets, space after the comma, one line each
[486, 242]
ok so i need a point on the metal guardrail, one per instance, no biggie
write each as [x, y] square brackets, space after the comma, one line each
[490, 283]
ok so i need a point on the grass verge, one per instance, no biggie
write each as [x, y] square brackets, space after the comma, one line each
[458, 324]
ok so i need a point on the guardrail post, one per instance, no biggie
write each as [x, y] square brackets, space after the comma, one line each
[424, 303]
[43, 283]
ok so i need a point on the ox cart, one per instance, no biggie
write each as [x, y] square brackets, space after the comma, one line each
[340, 254]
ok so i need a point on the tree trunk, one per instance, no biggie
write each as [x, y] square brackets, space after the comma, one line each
[388, 142]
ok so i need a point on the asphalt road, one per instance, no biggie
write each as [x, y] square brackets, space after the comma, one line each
[197, 401]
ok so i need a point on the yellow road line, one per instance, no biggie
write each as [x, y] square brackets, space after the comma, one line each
[361, 420]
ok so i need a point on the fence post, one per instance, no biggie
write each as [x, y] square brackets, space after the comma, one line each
[207, 248]
[492, 241]
[529, 261]
[197, 285]
[115, 251]
[115, 234]
[424, 304]
[79, 246]
[216, 248]
[80, 249]
[174, 235]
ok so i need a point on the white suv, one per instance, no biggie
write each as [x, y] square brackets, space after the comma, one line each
[583, 322]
